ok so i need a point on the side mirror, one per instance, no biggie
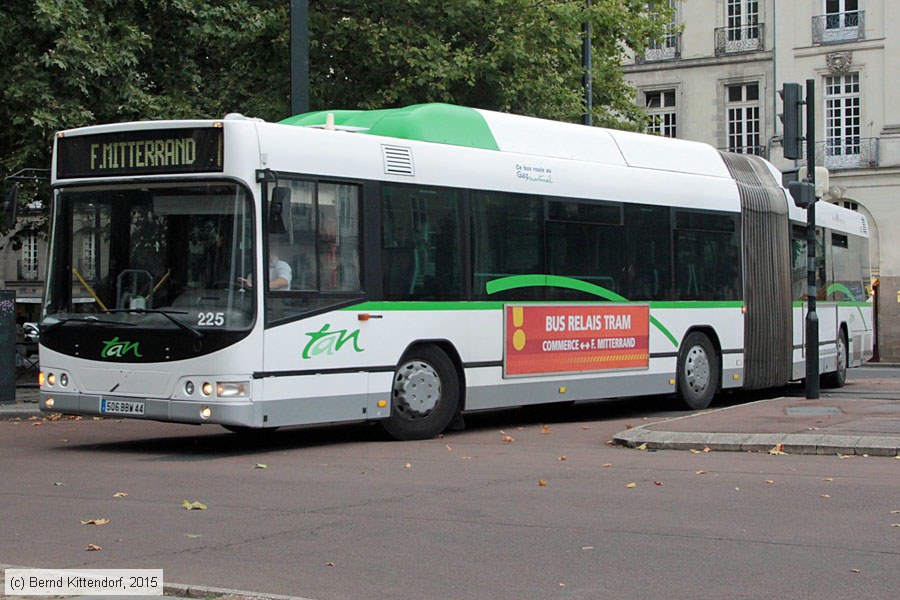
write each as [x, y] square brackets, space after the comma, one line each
[281, 200]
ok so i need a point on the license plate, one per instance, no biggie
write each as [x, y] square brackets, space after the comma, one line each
[121, 407]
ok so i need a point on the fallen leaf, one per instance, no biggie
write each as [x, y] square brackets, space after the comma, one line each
[449, 449]
[657, 483]
[545, 429]
[829, 479]
[895, 512]
[854, 570]
[895, 524]
[631, 485]
[329, 564]
[58, 483]
[587, 547]
[642, 447]
[606, 465]
[769, 481]
[193, 505]
[777, 450]
[700, 472]
[693, 451]
[844, 456]
[561, 458]
[120, 494]
[542, 483]
[192, 536]
[586, 427]
[407, 466]
[629, 427]
[260, 466]
[507, 439]
[707, 450]
[93, 548]
[95, 522]
[826, 496]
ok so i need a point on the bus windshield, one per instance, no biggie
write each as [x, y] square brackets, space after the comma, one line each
[152, 255]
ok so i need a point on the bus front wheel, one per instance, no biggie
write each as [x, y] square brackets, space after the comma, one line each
[698, 371]
[424, 395]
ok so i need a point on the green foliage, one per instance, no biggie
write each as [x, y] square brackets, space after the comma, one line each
[70, 63]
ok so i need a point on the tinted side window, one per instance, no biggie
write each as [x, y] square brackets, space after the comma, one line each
[507, 239]
[647, 271]
[585, 241]
[421, 243]
[707, 256]
[313, 259]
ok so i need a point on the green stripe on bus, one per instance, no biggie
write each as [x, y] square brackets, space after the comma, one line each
[519, 281]
[438, 123]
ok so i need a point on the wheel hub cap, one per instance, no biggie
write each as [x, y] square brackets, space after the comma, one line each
[697, 369]
[417, 389]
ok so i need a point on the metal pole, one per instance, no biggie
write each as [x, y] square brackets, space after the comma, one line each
[299, 56]
[7, 347]
[586, 67]
[812, 319]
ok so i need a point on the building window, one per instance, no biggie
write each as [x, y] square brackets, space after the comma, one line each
[742, 108]
[743, 20]
[29, 256]
[842, 120]
[661, 112]
[841, 14]
[88, 256]
[669, 47]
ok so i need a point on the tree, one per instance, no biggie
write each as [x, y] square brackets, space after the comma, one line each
[70, 63]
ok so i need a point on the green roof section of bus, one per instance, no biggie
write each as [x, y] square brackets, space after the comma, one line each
[439, 123]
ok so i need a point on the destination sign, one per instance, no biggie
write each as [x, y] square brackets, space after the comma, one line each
[154, 152]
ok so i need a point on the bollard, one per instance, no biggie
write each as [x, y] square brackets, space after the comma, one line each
[7, 347]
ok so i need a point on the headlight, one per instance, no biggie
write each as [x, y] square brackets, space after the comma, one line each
[233, 389]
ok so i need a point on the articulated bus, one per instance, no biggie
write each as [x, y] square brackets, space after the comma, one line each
[407, 266]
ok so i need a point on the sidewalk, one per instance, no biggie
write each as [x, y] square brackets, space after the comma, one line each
[862, 418]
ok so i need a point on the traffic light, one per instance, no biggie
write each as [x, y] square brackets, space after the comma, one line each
[9, 206]
[803, 193]
[790, 96]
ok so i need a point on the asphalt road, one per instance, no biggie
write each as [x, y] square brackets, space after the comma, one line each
[522, 504]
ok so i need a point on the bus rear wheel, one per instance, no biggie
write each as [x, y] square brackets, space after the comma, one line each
[424, 395]
[698, 371]
[838, 377]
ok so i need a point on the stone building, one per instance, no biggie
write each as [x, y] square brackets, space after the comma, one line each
[716, 78]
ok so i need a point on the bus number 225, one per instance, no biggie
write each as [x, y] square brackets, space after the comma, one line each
[210, 319]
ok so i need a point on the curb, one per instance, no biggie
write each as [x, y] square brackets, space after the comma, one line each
[792, 443]
[199, 591]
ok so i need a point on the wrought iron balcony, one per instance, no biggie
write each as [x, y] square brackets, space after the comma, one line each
[846, 153]
[839, 27]
[737, 40]
[667, 49]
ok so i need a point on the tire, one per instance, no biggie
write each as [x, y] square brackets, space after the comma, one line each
[699, 371]
[838, 378]
[424, 396]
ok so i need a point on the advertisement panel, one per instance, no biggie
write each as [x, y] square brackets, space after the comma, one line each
[542, 339]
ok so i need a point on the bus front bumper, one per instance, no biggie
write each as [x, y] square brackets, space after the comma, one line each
[151, 409]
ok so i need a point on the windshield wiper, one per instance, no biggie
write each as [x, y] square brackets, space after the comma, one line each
[88, 319]
[166, 313]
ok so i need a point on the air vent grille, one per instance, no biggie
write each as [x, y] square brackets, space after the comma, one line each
[398, 160]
